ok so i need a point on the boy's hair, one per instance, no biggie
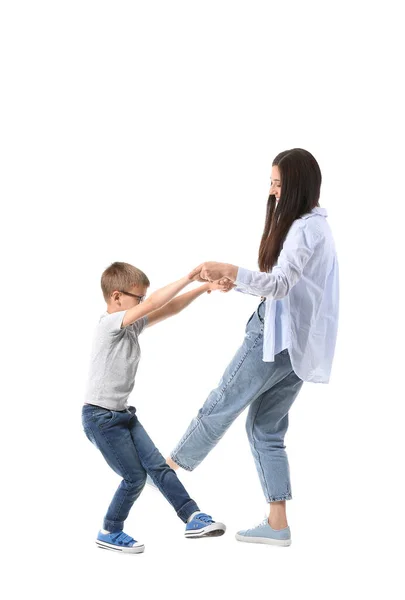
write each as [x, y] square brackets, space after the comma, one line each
[121, 276]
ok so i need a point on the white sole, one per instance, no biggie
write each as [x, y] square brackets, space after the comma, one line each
[132, 550]
[214, 530]
[261, 540]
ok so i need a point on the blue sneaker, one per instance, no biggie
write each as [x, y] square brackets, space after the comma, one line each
[202, 525]
[119, 541]
[264, 534]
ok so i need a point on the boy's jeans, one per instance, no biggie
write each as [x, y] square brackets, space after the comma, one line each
[269, 388]
[130, 452]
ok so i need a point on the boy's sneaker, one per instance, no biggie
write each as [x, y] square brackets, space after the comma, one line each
[202, 525]
[119, 541]
[264, 534]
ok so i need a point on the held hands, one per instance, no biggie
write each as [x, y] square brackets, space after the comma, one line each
[223, 285]
[214, 273]
[209, 271]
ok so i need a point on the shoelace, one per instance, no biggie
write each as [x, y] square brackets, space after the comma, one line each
[264, 522]
[122, 539]
[204, 518]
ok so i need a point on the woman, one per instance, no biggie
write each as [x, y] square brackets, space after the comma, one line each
[289, 339]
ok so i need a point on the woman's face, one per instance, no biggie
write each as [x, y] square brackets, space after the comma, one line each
[275, 187]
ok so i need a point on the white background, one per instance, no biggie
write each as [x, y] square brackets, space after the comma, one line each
[144, 132]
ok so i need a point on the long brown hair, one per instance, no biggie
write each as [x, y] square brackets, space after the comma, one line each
[300, 189]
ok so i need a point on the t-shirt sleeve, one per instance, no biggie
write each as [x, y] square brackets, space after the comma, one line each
[140, 324]
[111, 323]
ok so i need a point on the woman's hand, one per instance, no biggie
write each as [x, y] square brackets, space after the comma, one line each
[213, 271]
[196, 277]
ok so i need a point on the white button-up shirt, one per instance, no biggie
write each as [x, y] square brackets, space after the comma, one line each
[305, 285]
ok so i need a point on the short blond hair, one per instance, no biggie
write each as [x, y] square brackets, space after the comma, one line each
[121, 276]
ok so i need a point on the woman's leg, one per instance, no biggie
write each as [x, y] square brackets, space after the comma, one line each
[266, 426]
[245, 379]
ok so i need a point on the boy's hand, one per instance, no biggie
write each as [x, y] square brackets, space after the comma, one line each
[226, 284]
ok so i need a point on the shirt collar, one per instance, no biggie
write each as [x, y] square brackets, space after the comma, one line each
[316, 211]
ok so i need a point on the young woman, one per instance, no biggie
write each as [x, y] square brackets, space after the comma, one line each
[289, 339]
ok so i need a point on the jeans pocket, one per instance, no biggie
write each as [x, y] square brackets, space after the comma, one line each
[250, 318]
[261, 308]
[103, 417]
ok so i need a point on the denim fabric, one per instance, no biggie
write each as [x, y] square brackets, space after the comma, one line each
[130, 452]
[269, 389]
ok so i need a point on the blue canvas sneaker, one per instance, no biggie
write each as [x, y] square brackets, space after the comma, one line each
[202, 525]
[119, 541]
[264, 534]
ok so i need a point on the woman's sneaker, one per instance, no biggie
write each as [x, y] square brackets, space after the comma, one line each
[119, 541]
[202, 525]
[264, 534]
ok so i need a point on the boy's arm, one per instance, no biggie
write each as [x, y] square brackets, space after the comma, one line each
[155, 301]
[180, 303]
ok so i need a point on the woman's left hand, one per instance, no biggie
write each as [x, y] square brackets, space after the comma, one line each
[211, 271]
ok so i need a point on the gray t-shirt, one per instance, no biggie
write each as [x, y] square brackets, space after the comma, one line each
[114, 361]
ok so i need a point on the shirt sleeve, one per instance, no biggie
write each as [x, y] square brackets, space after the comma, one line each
[140, 324]
[241, 289]
[298, 248]
[112, 322]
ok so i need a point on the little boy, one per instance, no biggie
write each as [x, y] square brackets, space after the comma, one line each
[111, 425]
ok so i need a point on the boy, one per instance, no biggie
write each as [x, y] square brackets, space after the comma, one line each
[111, 425]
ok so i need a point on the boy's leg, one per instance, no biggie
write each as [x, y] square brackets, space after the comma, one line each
[162, 475]
[245, 378]
[109, 432]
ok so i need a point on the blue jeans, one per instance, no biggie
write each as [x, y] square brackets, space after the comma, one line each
[269, 389]
[130, 452]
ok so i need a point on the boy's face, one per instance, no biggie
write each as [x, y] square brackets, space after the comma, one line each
[128, 298]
